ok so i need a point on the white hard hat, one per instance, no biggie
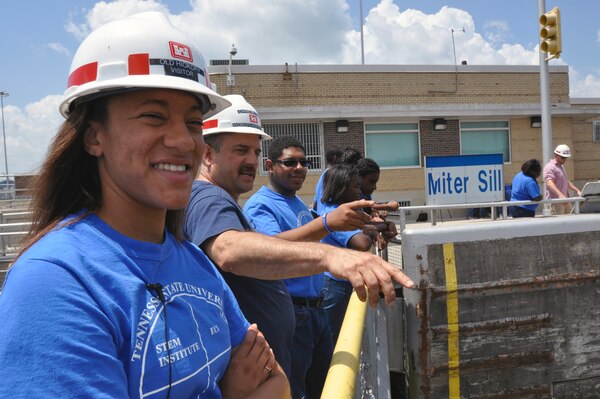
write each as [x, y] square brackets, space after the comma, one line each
[138, 52]
[241, 117]
[563, 150]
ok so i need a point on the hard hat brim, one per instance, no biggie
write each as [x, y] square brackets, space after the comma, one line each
[128, 83]
[238, 130]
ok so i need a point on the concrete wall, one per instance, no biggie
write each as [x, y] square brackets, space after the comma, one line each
[504, 309]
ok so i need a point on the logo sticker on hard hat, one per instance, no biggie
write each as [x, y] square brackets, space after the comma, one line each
[180, 69]
[253, 118]
[181, 51]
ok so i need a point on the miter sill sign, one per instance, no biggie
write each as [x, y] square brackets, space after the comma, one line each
[463, 179]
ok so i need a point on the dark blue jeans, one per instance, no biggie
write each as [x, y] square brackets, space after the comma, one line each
[519, 212]
[311, 353]
[336, 295]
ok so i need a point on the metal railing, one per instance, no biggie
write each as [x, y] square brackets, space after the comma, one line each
[370, 346]
[503, 205]
[343, 371]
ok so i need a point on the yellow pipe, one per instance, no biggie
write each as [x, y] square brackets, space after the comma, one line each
[341, 378]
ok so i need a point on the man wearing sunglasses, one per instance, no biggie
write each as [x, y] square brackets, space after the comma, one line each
[253, 264]
[277, 211]
[557, 181]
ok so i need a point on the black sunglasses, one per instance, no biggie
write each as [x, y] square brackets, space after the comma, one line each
[291, 162]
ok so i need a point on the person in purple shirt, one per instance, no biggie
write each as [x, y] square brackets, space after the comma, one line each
[557, 181]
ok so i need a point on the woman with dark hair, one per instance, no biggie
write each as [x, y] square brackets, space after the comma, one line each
[340, 185]
[526, 188]
[349, 156]
[106, 299]
[368, 175]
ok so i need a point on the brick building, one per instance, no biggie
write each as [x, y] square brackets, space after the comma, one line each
[388, 111]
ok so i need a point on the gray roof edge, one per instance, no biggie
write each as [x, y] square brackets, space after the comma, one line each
[417, 111]
[381, 68]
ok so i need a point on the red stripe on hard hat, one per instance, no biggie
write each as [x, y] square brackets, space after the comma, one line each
[83, 74]
[210, 124]
[139, 64]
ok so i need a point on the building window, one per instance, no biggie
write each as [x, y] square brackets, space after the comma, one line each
[309, 134]
[487, 137]
[596, 131]
[393, 145]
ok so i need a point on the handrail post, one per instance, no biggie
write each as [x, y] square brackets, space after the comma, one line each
[402, 219]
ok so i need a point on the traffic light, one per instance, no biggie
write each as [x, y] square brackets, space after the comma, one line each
[550, 33]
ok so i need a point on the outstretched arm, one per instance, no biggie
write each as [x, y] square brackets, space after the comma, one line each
[270, 258]
[346, 217]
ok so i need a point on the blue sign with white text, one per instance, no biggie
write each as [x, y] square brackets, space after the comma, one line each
[463, 179]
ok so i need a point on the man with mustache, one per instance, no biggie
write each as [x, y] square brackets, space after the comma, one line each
[254, 264]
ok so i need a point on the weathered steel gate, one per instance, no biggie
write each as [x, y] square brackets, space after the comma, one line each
[504, 310]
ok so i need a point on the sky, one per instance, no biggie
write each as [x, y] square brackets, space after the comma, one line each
[39, 39]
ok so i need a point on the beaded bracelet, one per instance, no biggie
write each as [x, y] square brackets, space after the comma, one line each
[324, 217]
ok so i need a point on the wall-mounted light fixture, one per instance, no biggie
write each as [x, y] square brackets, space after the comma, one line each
[536, 121]
[341, 126]
[439, 124]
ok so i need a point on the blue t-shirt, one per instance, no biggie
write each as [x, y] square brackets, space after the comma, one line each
[319, 194]
[337, 238]
[524, 188]
[272, 213]
[210, 212]
[79, 321]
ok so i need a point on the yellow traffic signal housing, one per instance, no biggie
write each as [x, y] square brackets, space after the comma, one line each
[550, 33]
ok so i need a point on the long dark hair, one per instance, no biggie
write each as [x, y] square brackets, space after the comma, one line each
[69, 181]
[336, 181]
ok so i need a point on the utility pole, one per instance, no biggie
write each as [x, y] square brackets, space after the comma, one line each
[362, 40]
[551, 44]
[2, 95]
[545, 98]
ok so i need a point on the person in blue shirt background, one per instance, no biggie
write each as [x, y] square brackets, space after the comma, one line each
[368, 176]
[277, 211]
[349, 156]
[525, 188]
[332, 157]
[341, 185]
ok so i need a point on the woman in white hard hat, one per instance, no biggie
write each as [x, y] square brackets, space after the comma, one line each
[557, 181]
[106, 299]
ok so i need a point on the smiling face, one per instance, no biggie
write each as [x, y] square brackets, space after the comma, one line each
[233, 165]
[148, 152]
[286, 180]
